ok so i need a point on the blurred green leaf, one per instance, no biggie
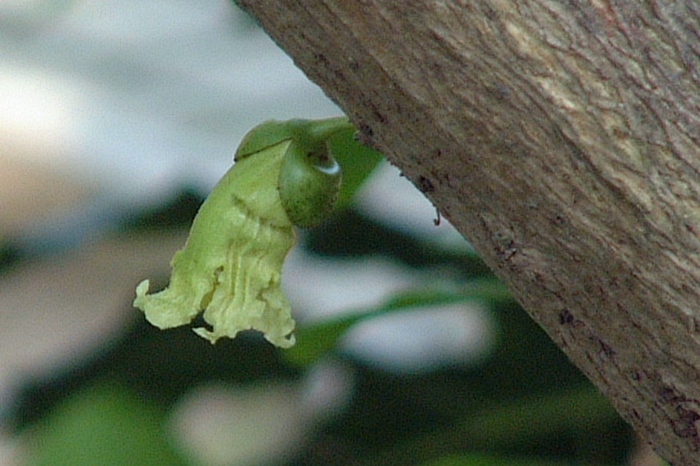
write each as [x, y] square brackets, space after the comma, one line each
[539, 416]
[315, 341]
[489, 460]
[103, 425]
[357, 161]
[505, 426]
[488, 290]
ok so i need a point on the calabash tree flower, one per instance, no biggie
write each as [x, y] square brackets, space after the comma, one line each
[231, 266]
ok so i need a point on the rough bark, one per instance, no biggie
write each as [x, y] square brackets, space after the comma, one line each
[561, 138]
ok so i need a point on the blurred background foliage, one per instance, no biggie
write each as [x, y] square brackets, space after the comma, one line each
[446, 371]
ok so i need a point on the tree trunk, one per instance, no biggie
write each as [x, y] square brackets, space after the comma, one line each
[563, 140]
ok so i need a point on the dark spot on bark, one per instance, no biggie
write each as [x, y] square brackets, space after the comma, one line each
[425, 185]
[606, 349]
[559, 220]
[379, 116]
[565, 317]
[507, 251]
[365, 135]
[636, 414]
[684, 426]
[320, 58]
[667, 395]
[684, 422]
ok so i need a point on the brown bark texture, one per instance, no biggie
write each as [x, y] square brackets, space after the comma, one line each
[562, 139]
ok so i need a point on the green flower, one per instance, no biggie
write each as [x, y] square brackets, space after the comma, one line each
[230, 269]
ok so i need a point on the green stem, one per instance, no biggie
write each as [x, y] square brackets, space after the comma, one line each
[321, 130]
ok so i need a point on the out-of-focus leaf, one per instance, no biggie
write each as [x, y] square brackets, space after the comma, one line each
[504, 426]
[357, 162]
[538, 416]
[314, 341]
[489, 460]
[105, 425]
[488, 290]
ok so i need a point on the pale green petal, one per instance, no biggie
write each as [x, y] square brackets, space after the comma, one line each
[230, 268]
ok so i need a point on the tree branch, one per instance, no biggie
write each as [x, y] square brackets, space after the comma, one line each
[563, 140]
